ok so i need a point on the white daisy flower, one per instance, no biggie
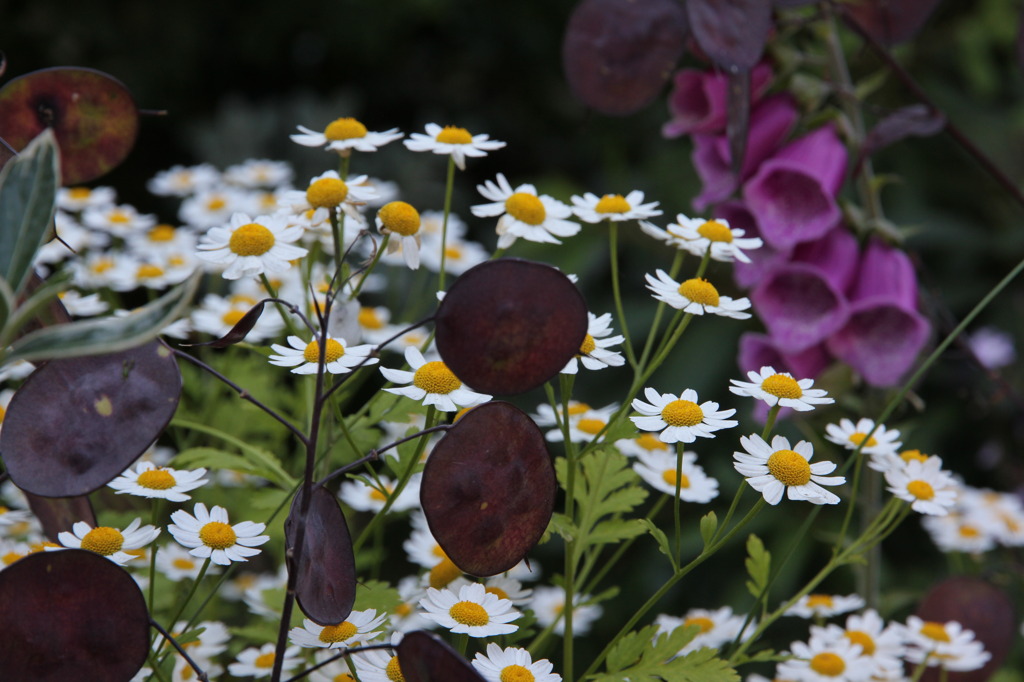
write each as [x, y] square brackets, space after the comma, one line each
[175, 562]
[328, 192]
[776, 469]
[181, 181]
[359, 627]
[696, 296]
[253, 662]
[403, 222]
[591, 208]
[120, 220]
[698, 236]
[680, 419]
[211, 207]
[507, 587]
[217, 315]
[10, 517]
[459, 255]
[151, 272]
[658, 469]
[252, 246]
[149, 480]
[407, 615]
[212, 641]
[970, 533]
[257, 173]
[512, 663]
[433, 383]
[162, 240]
[825, 660]
[548, 607]
[819, 605]
[378, 665]
[882, 442]
[110, 542]
[881, 644]
[717, 627]
[948, 644]
[473, 611]
[780, 388]
[74, 240]
[452, 140]
[339, 358]
[362, 497]
[583, 426]
[338, 670]
[925, 485]
[594, 353]
[345, 134]
[647, 443]
[524, 214]
[421, 548]
[77, 199]
[208, 534]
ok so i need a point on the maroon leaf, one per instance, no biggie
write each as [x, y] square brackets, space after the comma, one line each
[732, 33]
[509, 325]
[77, 423]
[488, 489]
[237, 333]
[59, 514]
[325, 582]
[977, 605]
[92, 114]
[618, 54]
[71, 615]
[890, 21]
[915, 120]
[425, 657]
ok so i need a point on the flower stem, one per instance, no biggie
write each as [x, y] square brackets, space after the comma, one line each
[448, 188]
[613, 246]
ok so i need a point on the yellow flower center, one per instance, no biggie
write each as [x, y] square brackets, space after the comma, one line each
[497, 592]
[828, 664]
[435, 377]
[102, 265]
[217, 535]
[682, 413]
[326, 193]
[344, 677]
[578, 408]
[184, 564]
[857, 438]
[454, 135]
[79, 193]
[119, 217]
[910, 455]
[393, 672]
[515, 673]
[866, 642]
[103, 540]
[162, 233]
[669, 476]
[453, 252]
[815, 601]
[969, 532]
[700, 291]
[403, 610]
[936, 631]
[216, 204]
[922, 490]
[333, 352]
[591, 426]
[782, 386]
[469, 613]
[588, 345]
[526, 208]
[613, 203]
[232, 317]
[156, 479]
[369, 319]
[706, 624]
[149, 271]
[789, 467]
[715, 231]
[400, 217]
[649, 441]
[264, 660]
[251, 239]
[10, 558]
[344, 129]
[332, 634]
[3, 413]
[443, 573]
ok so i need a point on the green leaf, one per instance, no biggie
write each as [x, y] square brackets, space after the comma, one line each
[252, 458]
[708, 526]
[32, 307]
[28, 196]
[108, 334]
[662, 540]
[630, 647]
[562, 525]
[6, 304]
[615, 530]
[759, 564]
[377, 595]
[645, 657]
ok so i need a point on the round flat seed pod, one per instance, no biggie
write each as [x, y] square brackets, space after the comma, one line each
[92, 114]
[325, 582]
[488, 489]
[425, 657]
[71, 615]
[77, 423]
[508, 325]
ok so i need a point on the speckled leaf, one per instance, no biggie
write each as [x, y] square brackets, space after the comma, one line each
[92, 114]
[488, 489]
[509, 325]
[890, 21]
[71, 615]
[77, 423]
[618, 54]
[325, 581]
[732, 33]
[425, 657]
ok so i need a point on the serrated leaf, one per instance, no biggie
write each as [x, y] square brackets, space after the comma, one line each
[643, 656]
[630, 647]
[762, 656]
[563, 526]
[108, 334]
[258, 458]
[702, 665]
[708, 526]
[615, 530]
[759, 564]
[377, 595]
[662, 540]
[28, 197]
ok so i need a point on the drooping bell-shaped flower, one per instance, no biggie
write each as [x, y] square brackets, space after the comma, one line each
[698, 101]
[763, 259]
[793, 193]
[884, 332]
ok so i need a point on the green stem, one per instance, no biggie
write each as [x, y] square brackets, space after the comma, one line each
[373, 264]
[448, 188]
[677, 263]
[613, 239]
